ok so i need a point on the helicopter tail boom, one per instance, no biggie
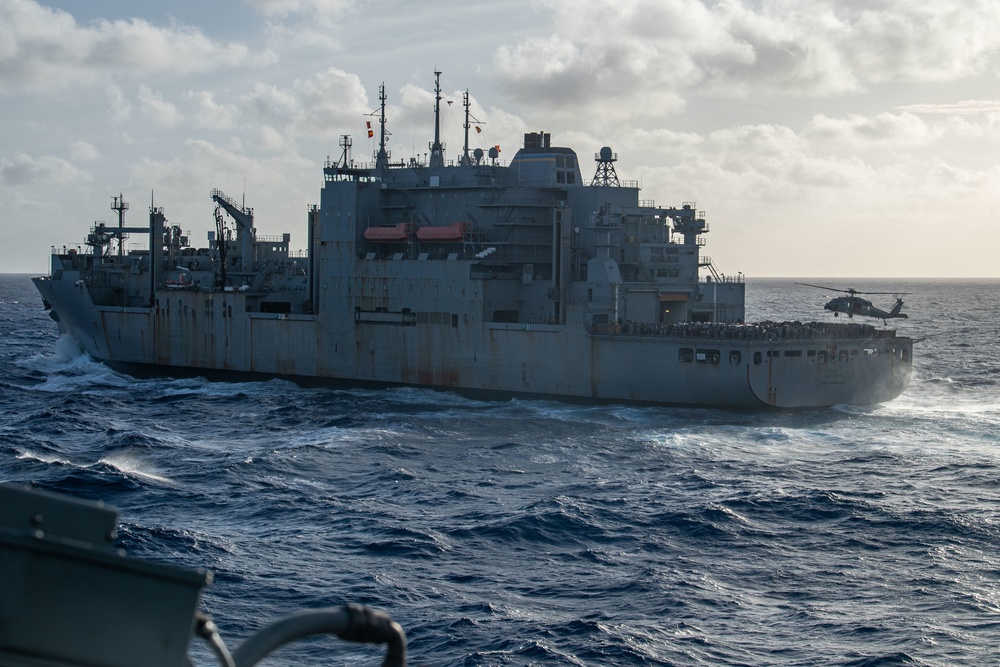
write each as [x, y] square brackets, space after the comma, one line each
[895, 310]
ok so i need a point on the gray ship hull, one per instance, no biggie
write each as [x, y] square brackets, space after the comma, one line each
[197, 333]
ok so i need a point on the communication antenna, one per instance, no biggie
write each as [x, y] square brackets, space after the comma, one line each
[345, 156]
[382, 157]
[465, 153]
[437, 150]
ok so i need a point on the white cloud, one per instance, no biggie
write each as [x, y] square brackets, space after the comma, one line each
[43, 49]
[602, 50]
[81, 150]
[313, 25]
[120, 109]
[319, 107]
[23, 169]
[859, 133]
[284, 8]
[209, 113]
[155, 109]
[963, 108]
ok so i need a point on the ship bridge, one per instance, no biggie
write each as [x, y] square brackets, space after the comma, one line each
[541, 164]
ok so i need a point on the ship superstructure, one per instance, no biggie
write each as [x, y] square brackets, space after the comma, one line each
[514, 278]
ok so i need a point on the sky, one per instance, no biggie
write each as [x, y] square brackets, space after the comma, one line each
[834, 138]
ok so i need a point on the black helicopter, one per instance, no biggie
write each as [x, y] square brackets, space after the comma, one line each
[854, 305]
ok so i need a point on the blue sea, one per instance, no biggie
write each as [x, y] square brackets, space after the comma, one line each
[523, 532]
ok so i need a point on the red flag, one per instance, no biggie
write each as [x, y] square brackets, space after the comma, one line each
[370, 133]
[478, 129]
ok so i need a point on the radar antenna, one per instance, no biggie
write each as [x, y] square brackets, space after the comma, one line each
[606, 174]
[345, 156]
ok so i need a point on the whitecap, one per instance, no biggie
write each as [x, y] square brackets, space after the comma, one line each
[42, 458]
[130, 464]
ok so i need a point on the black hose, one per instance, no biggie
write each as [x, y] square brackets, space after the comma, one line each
[205, 628]
[350, 622]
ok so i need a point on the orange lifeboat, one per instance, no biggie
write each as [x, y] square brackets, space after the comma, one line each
[398, 234]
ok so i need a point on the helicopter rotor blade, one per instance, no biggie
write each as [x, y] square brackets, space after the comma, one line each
[832, 289]
[850, 290]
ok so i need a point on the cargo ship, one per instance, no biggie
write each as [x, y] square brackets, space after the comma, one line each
[469, 274]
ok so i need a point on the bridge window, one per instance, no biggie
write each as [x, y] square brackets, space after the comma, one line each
[757, 358]
[735, 358]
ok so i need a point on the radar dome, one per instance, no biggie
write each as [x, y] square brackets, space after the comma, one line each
[606, 154]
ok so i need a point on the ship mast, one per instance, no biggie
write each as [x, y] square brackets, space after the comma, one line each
[119, 206]
[382, 158]
[465, 150]
[437, 150]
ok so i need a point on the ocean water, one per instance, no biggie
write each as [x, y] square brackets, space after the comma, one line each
[538, 533]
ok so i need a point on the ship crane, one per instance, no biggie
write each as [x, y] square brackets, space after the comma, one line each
[245, 232]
